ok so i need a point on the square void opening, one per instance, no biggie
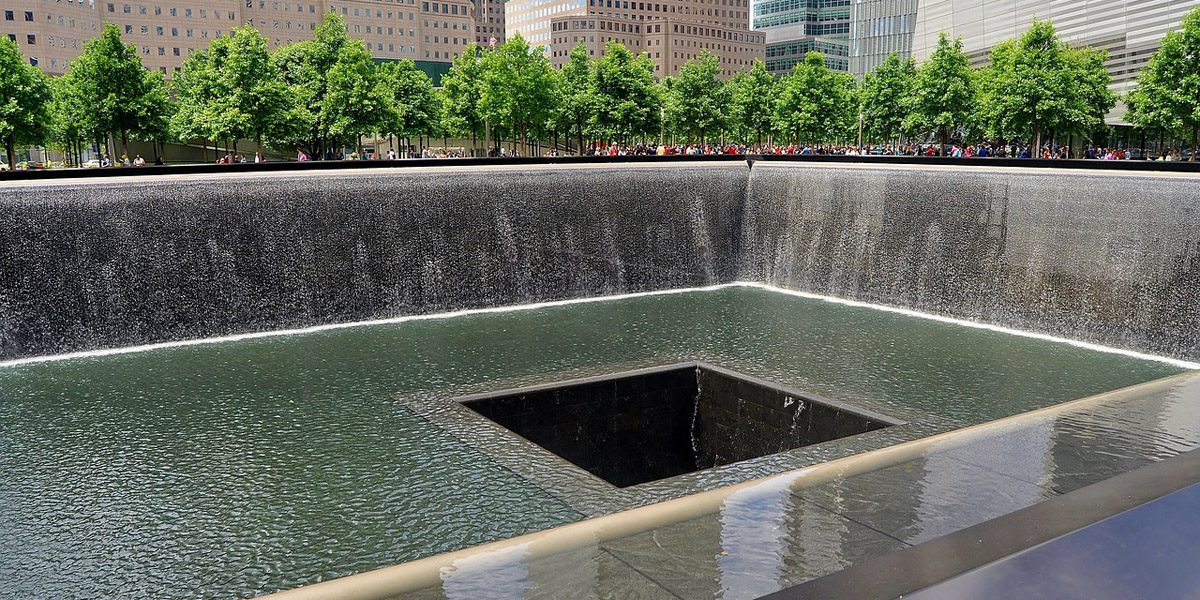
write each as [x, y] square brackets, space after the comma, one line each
[645, 425]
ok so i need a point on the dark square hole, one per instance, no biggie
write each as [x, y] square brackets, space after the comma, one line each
[640, 426]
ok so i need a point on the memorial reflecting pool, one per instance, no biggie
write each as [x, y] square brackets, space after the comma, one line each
[237, 468]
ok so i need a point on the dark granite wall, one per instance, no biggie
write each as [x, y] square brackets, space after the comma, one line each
[100, 264]
[630, 428]
[625, 430]
[1112, 258]
[738, 420]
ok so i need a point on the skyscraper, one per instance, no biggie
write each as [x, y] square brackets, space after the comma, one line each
[1131, 30]
[794, 28]
[671, 32]
[51, 34]
[879, 28]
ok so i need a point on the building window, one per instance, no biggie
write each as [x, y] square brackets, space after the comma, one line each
[8, 15]
[129, 30]
[175, 51]
[29, 16]
[162, 51]
[31, 39]
[157, 10]
[33, 60]
[174, 12]
[158, 30]
[174, 32]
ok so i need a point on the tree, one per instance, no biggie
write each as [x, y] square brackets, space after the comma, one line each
[124, 100]
[69, 129]
[258, 103]
[24, 101]
[1037, 84]
[518, 89]
[577, 99]
[750, 100]
[943, 95]
[412, 107]
[697, 101]
[462, 89]
[1168, 92]
[354, 101]
[200, 96]
[813, 103]
[332, 85]
[627, 97]
[884, 96]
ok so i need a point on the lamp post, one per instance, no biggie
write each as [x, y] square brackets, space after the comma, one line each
[860, 132]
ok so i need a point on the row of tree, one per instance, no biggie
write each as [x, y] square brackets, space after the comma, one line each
[328, 92]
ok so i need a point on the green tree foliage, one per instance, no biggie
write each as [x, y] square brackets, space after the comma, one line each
[697, 102]
[884, 97]
[200, 95]
[577, 99]
[752, 94]
[943, 95]
[1037, 84]
[1168, 92]
[814, 103]
[354, 100]
[258, 102]
[462, 89]
[24, 101]
[413, 109]
[69, 119]
[124, 99]
[332, 81]
[627, 96]
[519, 87]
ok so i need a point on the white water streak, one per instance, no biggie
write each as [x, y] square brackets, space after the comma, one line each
[523, 307]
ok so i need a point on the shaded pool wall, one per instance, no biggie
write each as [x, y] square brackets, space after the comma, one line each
[98, 264]
[1106, 257]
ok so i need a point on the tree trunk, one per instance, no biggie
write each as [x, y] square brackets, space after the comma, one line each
[1193, 156]
[579, 140]
[1036, 151]
[10, 145]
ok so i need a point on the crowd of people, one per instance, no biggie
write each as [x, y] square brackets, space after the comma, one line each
[998, 150]
[984, 150]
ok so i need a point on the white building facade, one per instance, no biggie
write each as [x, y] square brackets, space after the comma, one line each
[1130, 30]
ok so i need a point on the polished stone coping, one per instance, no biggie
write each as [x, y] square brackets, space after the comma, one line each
[853, 510]
[989, 559]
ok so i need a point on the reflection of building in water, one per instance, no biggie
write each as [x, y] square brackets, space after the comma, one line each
[501, 574]
[754, 538]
